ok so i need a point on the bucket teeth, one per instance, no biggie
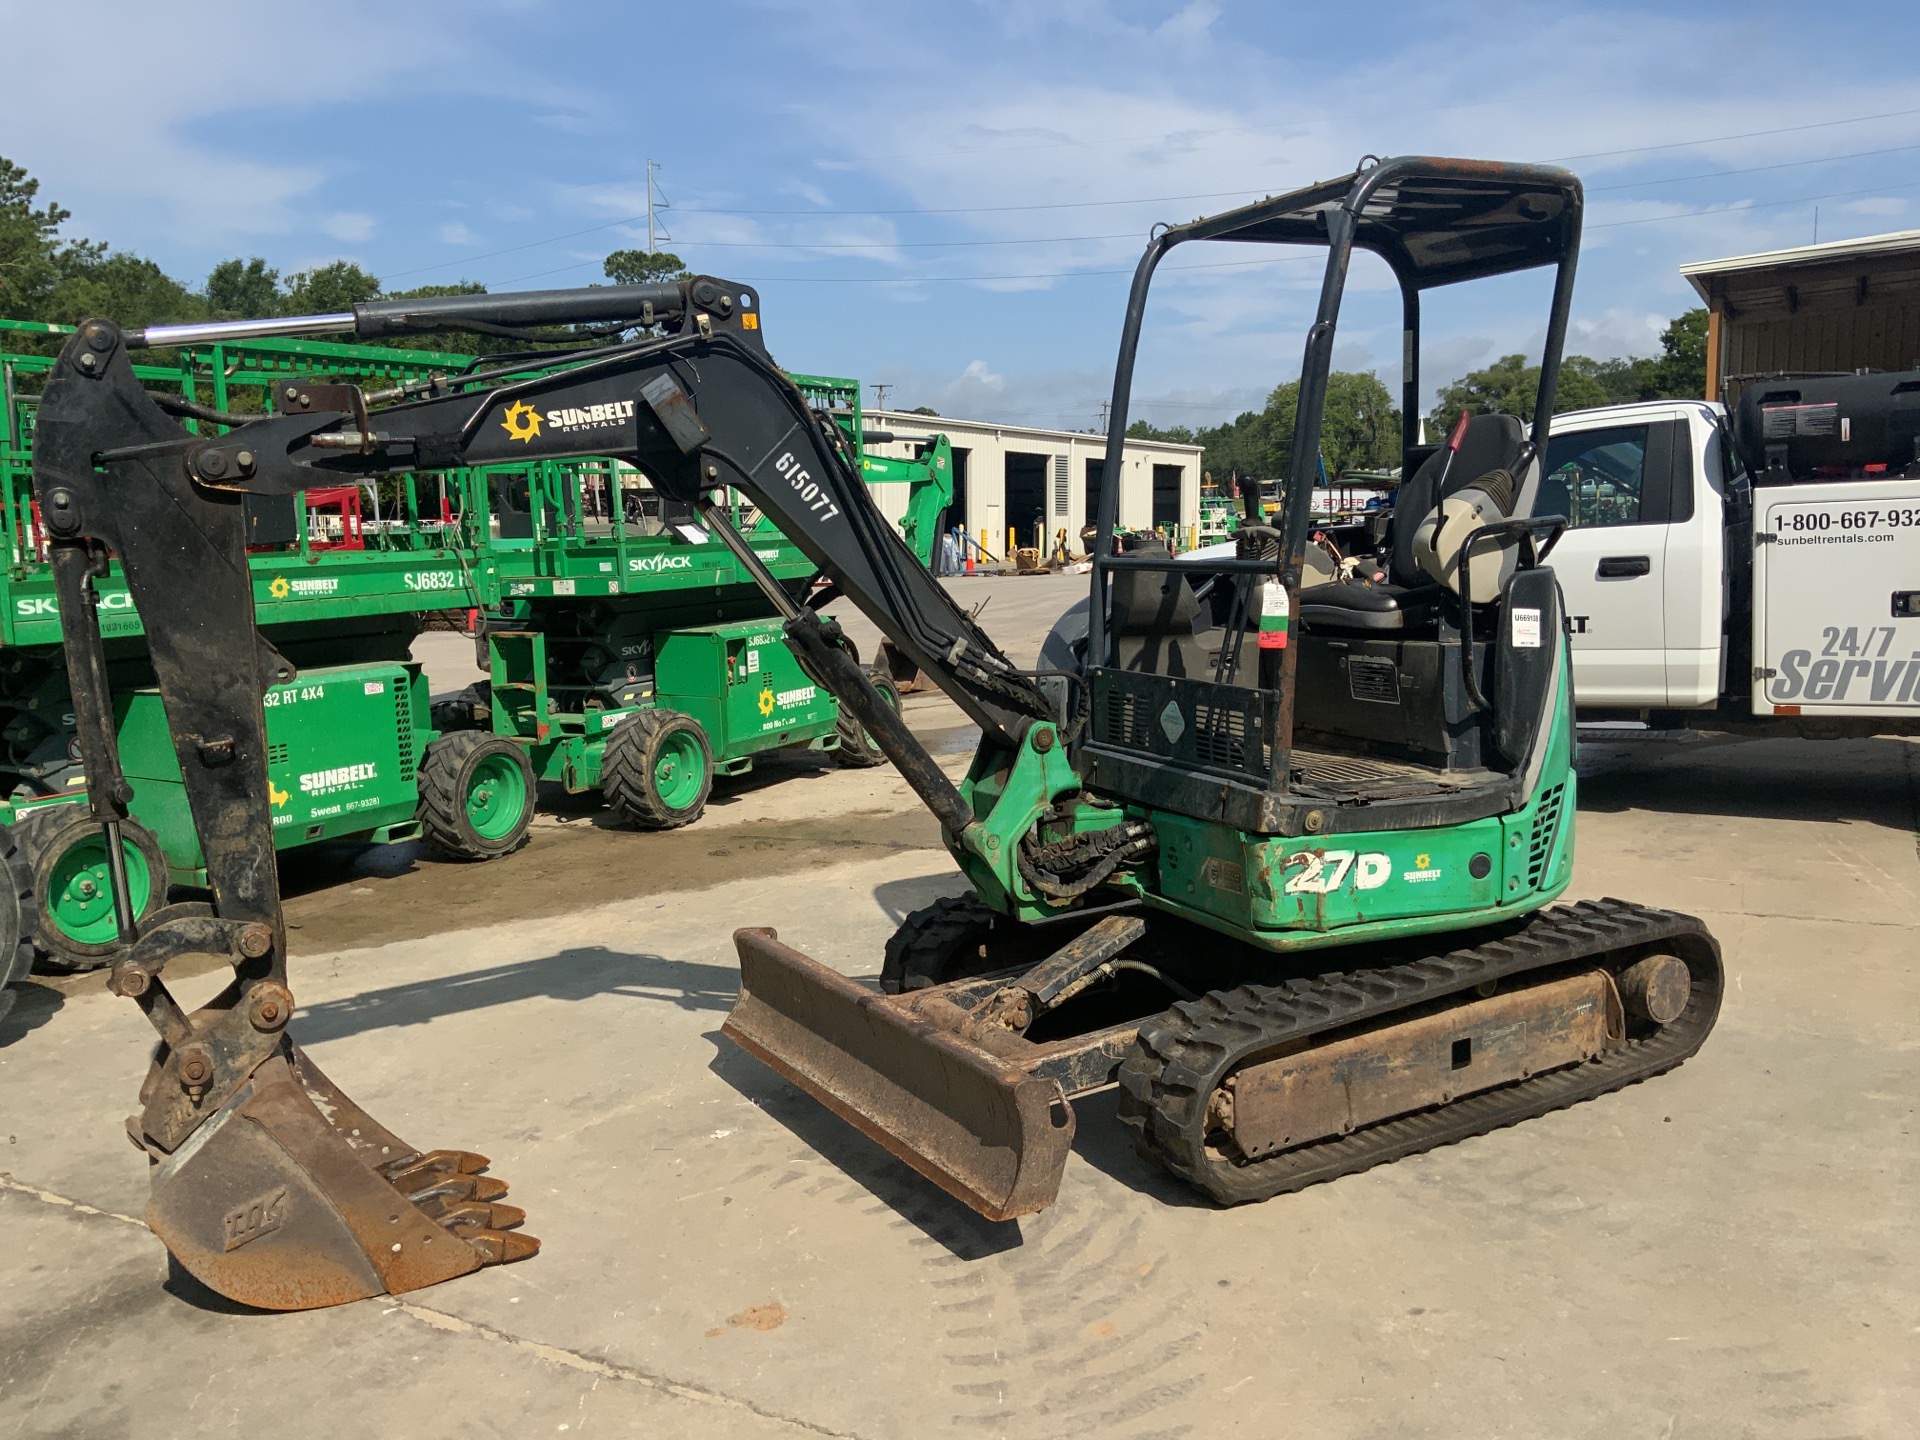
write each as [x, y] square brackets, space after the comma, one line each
[411, 1171]
[502, 1247]
[475, 1216]
[457, 1187]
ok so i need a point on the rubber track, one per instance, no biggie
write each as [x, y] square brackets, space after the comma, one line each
[1183, 1055]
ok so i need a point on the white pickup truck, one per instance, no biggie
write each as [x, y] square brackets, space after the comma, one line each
[1779, 594]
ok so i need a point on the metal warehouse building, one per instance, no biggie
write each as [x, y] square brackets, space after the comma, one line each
[1838, 306]
[1037, 482]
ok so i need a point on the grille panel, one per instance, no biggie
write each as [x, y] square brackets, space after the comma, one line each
[1373, 679]
[1224, 728]
[403, 726]
[1546, 825]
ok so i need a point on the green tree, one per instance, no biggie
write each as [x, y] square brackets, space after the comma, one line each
[30, 246]
[1510, 386]
[243, 290]
[1682, 367]
[645, 267]
[329, 289]
[924, 410]
[1359, 430]
[129, 289]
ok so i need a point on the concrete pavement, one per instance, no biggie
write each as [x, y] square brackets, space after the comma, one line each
[1725, 1251]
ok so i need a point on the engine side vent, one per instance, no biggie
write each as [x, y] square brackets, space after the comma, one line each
[1372, 678]
[1546, 825]
[276, 754]
[404, 726]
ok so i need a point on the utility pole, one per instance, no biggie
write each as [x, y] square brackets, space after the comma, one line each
[656, 228]
[1106, 409]
[880, 389]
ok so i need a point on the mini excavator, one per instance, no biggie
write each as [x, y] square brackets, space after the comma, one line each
[1271, 847]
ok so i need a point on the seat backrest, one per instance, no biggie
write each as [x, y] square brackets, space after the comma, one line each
[1152, 602]
[1492, 442]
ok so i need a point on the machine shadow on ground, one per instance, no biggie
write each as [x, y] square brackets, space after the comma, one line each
[918, 1201]
[582, 973]
[1873, 782]
[34, 1004]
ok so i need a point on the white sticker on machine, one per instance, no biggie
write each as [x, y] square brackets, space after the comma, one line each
[1526, 628]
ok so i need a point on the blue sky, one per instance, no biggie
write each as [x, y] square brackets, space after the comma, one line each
[950, 197]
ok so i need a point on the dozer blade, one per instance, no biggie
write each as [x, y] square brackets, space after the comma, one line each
[291, 1197]
[977, 1125]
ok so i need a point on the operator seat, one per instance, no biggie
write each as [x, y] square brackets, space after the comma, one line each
[1152, 620]
[1410, 599]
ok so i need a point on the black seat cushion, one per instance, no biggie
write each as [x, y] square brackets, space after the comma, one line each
[1371, 608]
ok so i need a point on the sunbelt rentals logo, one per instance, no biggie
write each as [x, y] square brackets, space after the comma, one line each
[521, 422]
[341, 777]
[280, 587]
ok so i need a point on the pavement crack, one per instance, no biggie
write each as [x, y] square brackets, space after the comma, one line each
[607, 1369]
[63, 1202]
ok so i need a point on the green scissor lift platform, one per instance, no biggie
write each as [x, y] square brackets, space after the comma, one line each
[593, 620]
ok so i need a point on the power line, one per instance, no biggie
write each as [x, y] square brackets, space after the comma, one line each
[1755, 205]
[1722, 139]
[1755, 169]
[1156, 200]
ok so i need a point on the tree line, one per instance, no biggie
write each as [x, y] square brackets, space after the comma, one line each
[1360, 427]
[47, 275]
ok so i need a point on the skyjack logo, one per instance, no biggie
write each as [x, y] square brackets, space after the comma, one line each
[654, 564]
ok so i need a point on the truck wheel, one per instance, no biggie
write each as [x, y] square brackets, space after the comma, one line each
[657, 769]
[476, 795]
[857, 750]
[68, 902]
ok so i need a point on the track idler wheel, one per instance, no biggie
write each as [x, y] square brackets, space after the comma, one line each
[291, 1197]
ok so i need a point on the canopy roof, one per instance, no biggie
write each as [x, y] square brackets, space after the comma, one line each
[1435, 221]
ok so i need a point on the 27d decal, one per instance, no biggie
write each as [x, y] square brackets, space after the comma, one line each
[1328, 870]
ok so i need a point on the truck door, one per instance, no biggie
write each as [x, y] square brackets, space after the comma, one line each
[1612, 560]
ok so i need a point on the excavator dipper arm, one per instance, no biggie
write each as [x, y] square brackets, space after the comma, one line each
[269, 1184]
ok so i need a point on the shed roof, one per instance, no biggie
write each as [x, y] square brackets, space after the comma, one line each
[1899, 243]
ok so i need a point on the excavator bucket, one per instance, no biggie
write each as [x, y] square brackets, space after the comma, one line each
[291, 1197]
[979, 1126]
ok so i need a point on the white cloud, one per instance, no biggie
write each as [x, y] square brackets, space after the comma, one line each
[1878, 205]
[455, 232]
[348, 225]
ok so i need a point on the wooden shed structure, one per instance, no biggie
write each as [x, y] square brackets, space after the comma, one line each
[1842, 306]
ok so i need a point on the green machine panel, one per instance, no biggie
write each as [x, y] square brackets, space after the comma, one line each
[342, 744]
[743, 685]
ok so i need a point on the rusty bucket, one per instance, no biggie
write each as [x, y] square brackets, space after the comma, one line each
[979, 1126]
[291, 1197]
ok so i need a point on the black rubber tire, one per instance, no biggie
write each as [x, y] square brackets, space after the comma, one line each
[16, 944]
[446, 772]
[31, 845]
[471, 709]
[939, 943]
[857, 750]
[628, 770]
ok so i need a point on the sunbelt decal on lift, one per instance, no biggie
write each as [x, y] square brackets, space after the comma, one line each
[786, 699]
[280, 587]
[341, 777]
[28, 609]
